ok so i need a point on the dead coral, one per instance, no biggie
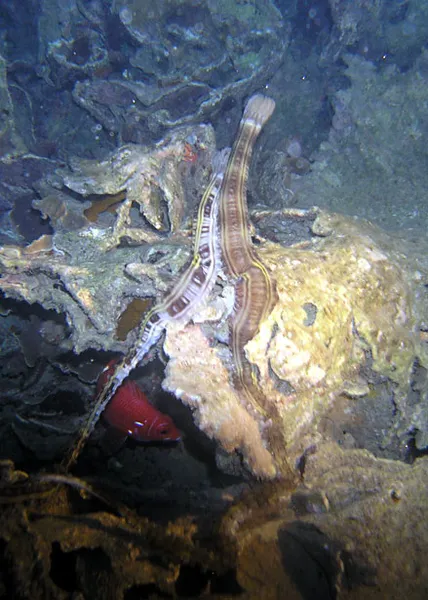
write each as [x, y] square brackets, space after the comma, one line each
[196, 374]
[154, 181]
[71, 271]
[85, 55]
[349, 291]
[11, 142]
[91, 288]
[173, 80]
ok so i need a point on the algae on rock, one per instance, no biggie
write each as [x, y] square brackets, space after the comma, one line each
[374, 163]
[348, 294]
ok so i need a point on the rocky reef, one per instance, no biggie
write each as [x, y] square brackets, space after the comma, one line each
[350, 316]
[112, 116]
[351, 313]
[376, 145]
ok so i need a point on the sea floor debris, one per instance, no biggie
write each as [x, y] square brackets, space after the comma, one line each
[353, 528]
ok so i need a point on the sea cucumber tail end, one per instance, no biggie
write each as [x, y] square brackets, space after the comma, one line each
[259, 109]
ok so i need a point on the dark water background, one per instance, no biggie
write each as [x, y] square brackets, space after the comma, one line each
[349, 79]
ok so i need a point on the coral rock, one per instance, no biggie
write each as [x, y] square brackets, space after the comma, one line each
[196, 374]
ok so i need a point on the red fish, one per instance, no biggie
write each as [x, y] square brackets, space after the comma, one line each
[131, 414]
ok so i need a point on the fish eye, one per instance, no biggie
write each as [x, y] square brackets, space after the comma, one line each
[164, 431]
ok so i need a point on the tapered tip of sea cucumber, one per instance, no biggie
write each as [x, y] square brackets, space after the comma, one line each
[259, 109]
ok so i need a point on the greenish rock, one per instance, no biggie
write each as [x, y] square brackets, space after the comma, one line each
[374, 162]
[11, 143]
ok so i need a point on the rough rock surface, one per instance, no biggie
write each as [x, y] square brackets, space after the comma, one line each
[348, 300]
[351, 304]
[373, 164]
[352, 529]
